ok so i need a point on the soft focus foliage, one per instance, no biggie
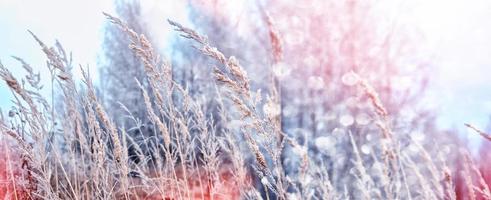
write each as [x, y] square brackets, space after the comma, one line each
[314, 101]
[15, 180]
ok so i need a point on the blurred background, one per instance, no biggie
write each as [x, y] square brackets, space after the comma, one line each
[449, 39]
[428, 60]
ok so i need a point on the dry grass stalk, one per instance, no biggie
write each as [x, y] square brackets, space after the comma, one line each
[435, 172]
[156, 120]
[58, 59]
[15, 86]
[422, 180]
[98, 148]
[241, 85]
[5, 130]
[275, 39]
[364, 179]
[468, 163]
[104, 117]
[231, 64]
[482, 133]
[466, 174]
[373, 95]
[449, 186]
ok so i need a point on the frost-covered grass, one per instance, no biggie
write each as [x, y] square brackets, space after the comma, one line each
[244, 150]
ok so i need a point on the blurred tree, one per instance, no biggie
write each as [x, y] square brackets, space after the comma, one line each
[119, 70]
[120, 67]
[323, 42]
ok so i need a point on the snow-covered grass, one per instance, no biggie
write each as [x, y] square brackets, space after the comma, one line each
[244, 150]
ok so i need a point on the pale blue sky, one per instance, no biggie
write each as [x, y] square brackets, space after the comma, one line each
[77, 24]
[457, 32]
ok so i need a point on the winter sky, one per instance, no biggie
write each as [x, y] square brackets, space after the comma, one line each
[457, 33]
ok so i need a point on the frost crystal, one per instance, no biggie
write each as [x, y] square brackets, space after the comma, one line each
[272, 109]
